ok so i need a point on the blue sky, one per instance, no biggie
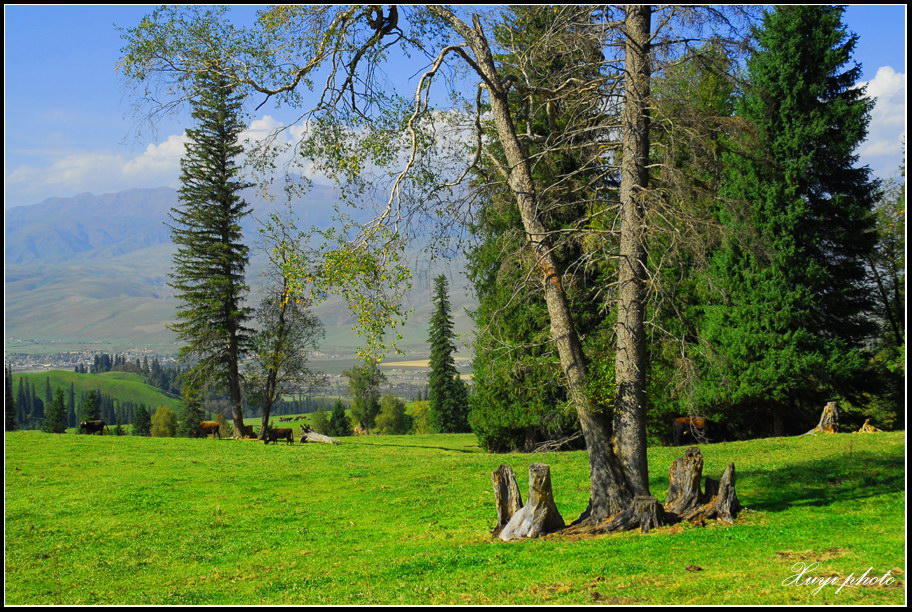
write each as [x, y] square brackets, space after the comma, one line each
[69, 127]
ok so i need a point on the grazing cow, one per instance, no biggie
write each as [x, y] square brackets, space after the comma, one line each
[247, 431]
[274, 435]
[696, 427]
[284, 419]
[208, 427]
[91, 427]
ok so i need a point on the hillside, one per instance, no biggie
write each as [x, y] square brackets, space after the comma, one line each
[93, 270]
[121, 386]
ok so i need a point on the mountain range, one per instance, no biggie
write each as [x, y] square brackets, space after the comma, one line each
[91, 271]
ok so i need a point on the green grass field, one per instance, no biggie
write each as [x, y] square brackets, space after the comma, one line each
[406, 520]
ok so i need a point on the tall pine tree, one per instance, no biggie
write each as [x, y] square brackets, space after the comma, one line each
[449, 406]
[209, 264]
[785, 332]
[55, 419]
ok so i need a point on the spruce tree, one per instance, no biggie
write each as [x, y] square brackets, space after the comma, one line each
[142, 422]
[339, 423]
[785, 332]
[446, 392]
[91, 407]
[55, 419]
[209, 264]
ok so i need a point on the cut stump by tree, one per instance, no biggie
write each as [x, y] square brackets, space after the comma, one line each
[686, 501]
[540, 515]
[506, 496]
[829, 420]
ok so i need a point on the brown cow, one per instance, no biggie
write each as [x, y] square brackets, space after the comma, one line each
[208, 427]
[91, 427]
[273, 435]
[695, 426]
[247, 431]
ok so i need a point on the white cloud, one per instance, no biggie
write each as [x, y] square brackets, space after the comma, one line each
[69, 174]
[883, 148]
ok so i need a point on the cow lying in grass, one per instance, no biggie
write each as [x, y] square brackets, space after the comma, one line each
[274, 435]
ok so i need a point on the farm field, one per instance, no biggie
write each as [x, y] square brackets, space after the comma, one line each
[406, 520]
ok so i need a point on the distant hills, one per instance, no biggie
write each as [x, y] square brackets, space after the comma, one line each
[91, 271]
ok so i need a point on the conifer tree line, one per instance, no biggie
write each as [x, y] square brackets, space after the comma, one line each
[760, 303]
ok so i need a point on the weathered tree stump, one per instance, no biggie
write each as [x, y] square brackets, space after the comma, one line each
[722, 501]
[687, 502]
[868, 428]
[684, 476]
[829, 420]
[540, 515]
[506, 496]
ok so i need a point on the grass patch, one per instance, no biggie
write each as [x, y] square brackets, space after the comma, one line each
[406, 520]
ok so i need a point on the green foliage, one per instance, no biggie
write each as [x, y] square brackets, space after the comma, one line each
[142, 422]
[55, 418]
[210, 259]
[164, 423]
[364, 387]
[447, 393]
[420, 412]
[393, 419]
[319, 421]
[190, 417]
[90, 409]
[9, 404]
[787, 295]
[339, 424]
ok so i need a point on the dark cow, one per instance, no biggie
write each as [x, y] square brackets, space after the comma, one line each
[208, 427]
[696, 427]
[91, 427]
[247, 431]
[285, 419]
[274, 435]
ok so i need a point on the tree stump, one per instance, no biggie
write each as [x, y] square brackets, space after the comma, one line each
[722, 501]
[868, 428]
[829, 420]
[506, 496]
[684, 476]
[685, 499]
[540, 514]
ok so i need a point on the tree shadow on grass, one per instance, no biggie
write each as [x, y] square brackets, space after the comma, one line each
[845, 477]
[443, 448]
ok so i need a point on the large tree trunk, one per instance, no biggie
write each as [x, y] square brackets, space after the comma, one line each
[630, 359]
[610, 492]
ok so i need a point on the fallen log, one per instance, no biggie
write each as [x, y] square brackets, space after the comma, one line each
[540, 515]
[829, 420]
[309, 435]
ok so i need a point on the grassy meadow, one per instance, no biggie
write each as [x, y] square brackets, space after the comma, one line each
[406, 520]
